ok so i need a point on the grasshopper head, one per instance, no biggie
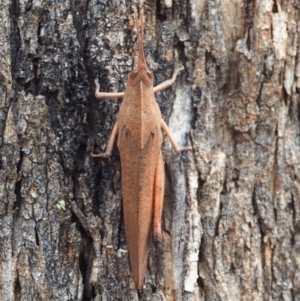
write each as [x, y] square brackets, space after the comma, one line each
[141, 73]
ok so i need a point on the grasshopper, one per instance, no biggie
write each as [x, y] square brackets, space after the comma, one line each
[138, 128]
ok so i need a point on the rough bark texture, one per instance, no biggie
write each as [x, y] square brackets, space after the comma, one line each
[232, 206]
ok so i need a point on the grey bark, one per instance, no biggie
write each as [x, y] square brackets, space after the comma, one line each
[231, 216]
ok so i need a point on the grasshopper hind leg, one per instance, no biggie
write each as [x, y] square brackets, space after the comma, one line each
[159, 185]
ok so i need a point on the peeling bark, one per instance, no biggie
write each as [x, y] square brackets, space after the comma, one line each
[232, 206]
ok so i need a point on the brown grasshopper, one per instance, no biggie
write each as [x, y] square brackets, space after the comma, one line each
[138, 127]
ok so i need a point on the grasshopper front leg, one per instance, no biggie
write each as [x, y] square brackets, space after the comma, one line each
[168, 82]
[158, 88]
[100, 95]
[110, 144]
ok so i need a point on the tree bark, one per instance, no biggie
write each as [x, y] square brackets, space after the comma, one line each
[231, 219]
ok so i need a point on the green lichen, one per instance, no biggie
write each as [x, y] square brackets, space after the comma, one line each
[61, 205]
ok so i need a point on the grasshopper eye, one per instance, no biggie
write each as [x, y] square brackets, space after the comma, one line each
[133, 74]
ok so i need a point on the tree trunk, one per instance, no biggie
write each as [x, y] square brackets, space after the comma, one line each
[231, 218]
